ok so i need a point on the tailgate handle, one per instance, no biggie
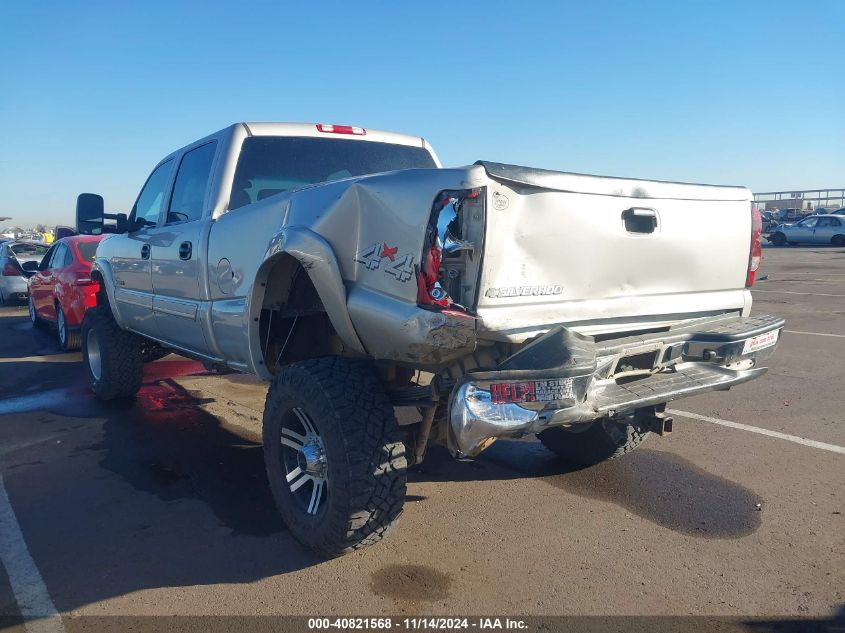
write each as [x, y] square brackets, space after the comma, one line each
[639, 220]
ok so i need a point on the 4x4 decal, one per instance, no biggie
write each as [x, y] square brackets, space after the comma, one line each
[399, 266]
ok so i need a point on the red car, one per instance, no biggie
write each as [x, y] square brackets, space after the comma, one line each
[62, 289]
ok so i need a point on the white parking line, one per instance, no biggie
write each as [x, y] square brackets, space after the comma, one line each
[792, 292]
[815, 333]
[833, 448]
[40, 615]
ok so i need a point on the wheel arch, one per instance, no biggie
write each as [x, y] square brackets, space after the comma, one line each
[300, 275]
[101, 272]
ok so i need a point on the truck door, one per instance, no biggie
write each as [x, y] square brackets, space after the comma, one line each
[178, 257]
[133, 290]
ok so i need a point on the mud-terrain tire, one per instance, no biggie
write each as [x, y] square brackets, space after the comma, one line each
[330, 419]
[778, 239]
[69, 340]
[112, 356]
[604, 439]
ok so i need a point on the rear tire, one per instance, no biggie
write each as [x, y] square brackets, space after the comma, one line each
[604, 439]
[112, 356]
[334, 454]
[33, 316]
[69, 340]
[778, 239]
[838, 240]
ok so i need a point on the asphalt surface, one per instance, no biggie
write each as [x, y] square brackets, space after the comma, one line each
[161, 506]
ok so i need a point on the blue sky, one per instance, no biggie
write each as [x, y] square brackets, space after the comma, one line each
[92, 94]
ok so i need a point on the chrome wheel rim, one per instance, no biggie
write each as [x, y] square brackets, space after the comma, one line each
[62, 328]
[92, 347]
[303, 458]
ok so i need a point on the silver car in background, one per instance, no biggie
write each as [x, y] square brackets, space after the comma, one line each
[18, 261]
[814, 229]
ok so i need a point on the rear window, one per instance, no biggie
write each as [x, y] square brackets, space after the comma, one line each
[272, 164]
[87, 250]
[28, 251]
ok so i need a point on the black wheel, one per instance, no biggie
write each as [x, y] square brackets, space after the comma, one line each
[604, 439]
[112, 356]
[334, 454]
[68, 339]
[778, 239]
[838, 240]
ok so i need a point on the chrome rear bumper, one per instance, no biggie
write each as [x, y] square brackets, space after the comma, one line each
[564, 378]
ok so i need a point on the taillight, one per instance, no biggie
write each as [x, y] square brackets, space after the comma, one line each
[444, 237]
[429, 292]
[756, 254]
[340, 129]
[10, 270]
[89, 294]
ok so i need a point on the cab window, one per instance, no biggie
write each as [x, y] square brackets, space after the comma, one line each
[150, 201]
[186, 204]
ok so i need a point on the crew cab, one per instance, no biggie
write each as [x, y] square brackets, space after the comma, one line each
[349, 269]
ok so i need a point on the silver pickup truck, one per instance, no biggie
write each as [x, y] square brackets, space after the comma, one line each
[350, 270]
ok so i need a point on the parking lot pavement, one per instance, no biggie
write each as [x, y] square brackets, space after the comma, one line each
[161, 506]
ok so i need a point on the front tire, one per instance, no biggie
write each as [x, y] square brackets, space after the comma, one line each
[778, 239]
[112, 356]
[334, 454]
[604, 439]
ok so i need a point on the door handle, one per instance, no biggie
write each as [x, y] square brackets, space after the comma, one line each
[185, 250]
[639, 220]
[145, 251]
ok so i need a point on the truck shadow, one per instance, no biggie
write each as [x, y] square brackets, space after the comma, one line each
[661, 487]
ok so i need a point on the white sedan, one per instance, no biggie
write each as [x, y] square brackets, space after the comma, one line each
[815, 229]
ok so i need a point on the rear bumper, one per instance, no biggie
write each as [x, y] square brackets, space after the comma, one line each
[564, 378]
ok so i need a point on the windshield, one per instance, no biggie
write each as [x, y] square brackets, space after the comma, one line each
[88, 250]
[28, 251]
[272, 164]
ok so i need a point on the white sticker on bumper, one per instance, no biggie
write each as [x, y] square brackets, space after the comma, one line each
[760, 342]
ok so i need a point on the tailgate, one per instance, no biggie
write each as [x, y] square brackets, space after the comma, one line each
[608, 253]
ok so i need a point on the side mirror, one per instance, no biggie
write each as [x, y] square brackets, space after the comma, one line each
[30, 266]
[89, 214]
[121, 223]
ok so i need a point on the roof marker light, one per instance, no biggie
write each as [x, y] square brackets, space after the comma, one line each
[340, 129]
